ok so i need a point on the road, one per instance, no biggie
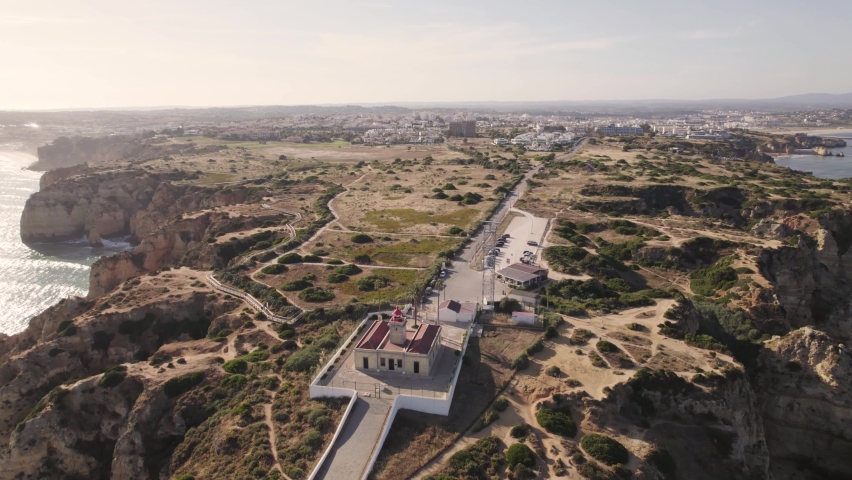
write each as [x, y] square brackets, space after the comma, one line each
[465, 284]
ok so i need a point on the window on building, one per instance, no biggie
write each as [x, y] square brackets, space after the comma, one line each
[399, 363]
[383, 362]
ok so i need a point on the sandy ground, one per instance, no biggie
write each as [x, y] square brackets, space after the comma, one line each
[532, 385]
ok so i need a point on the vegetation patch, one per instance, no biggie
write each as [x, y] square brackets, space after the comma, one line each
[237, 365]
[604, 449]
[394, 220]
[520, 454]
[182, 384]
[558, 422]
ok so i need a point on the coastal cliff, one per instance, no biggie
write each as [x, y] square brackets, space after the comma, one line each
[67, 152]
[76, 201]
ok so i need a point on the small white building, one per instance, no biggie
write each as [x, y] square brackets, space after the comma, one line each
[523, 318]
[453, 311]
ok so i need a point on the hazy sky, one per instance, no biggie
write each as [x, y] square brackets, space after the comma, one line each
[67, 53]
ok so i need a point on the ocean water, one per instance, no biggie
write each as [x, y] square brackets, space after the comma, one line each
[823, 167]
[35, 277]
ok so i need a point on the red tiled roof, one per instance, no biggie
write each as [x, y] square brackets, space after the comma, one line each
[373, 338]
[451, 304]
[423, 338]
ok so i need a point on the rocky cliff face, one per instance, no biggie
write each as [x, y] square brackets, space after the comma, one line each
[810, 281]
[70, 208]
[711, 432]
[805, 398]
[179, 242]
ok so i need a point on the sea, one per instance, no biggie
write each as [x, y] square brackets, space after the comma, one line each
[823, 167]
[34, 277]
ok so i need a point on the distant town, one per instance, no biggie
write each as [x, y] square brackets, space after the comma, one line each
[397, 126]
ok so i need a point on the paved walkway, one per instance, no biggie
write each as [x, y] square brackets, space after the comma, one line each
[354, 447]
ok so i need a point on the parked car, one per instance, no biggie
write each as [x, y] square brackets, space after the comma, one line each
[505, 235]
[532, 243]
[442, 274]
[527, 252]
[499, 244]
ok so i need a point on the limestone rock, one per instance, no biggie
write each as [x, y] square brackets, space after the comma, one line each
[95, 238]
[771, 229]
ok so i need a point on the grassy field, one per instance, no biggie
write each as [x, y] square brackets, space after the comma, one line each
[400, 281]
[410, 253]
[396, 219]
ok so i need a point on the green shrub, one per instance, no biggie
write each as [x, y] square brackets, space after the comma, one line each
[348, 269]
[604, 449]
[361, 238]
[501, 404]
[520, 454]
[521, 362]
[519, 431]
[707, 281]
[316, 295]
[274, 269]
[607, 347]
[556, 422]
[311, 259]
[295, 285]
[636, 327]
[363, 259]
[334, 261]
[536, 347]
[551, 332]
[291, 257]
[182, 384]
[303, 360]
[236, 381]
[336, 278]
[237, 365]
[113, 376]
[258, 355]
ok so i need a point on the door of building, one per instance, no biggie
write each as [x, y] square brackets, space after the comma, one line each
[366, 363]
[416, 367]
[390, 364]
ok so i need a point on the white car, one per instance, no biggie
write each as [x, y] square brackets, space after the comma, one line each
[442, 274]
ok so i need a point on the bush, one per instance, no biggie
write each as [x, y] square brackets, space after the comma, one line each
[237, 365]
[455, 230]
[295, 285]
[551, 332]
[274, 269]
[520, 454]
[258, 355]
[556, 422]
[604, 449]
[508, 305]
[348, 269]
[361, 238]
[336, 278]
[304, 359]
[316, 295]
[521, 362]
[362, 259]
[291, 257]
[311, 259]
[501, 404]
[334, 261]
[237, 381]
[113, 376]
[519, 431]
[182, 384]
[607, 347]
[536, 347]
[662, 459]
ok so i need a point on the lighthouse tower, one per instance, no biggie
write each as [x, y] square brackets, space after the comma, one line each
[397, 327]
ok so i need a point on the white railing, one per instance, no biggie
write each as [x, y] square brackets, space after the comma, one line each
[255, 303]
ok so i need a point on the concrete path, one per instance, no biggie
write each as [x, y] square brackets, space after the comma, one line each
[354, 447]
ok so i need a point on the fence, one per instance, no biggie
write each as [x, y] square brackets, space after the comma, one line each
[255, 303]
